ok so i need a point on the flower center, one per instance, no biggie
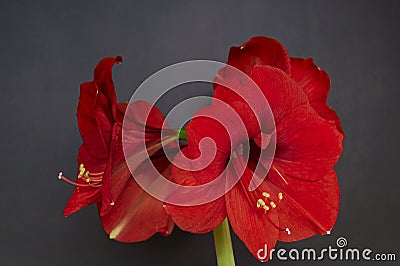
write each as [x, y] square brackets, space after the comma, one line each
[265, 202]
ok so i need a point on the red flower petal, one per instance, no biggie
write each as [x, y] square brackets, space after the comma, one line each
[121, 109]
[327, 113]
[259, 51]
[96, 110]
[198, 219]
[281, 91]
[195, 219]
[104, 119]
[136, 215]
[120, 178]
[311, 79]
[84, 196]
[316, 84]
[141, 113]
[309, 208]
[87, 123]
[307, 145]
[250, 223]
[238, 103]
[104, 81]
[80, 199]
[140, 116]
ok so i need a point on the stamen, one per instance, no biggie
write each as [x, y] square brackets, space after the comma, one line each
[62, 177]
[238, 163]
[82, 170]
[261, 203]
[266, 195]
[91, 179]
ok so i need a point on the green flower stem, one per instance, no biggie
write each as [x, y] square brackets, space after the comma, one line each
[183, 134]
[223, 245]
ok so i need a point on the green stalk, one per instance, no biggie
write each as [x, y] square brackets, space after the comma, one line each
[223, 245]
[183, 134]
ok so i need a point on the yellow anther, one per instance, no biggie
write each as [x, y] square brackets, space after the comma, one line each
[260, 203]
[82, 170]
[273, 205]
[87, 180]
[280, 196]
[265, 207]
[265, 194]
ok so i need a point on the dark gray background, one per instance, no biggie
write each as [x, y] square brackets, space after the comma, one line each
[47, 49]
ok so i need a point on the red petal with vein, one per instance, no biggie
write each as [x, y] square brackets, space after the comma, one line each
[143, 125]
[328, 113]
[249, 223]
[121, 109]
[103, 79]
[316, 84]
[136, 215]
[308, 208]
[247, 100]
[96, 110]
[282, 93]
[80, 199]
[107, 197]
[307, 145]
[104, 119]
[259, 51]
[195, 219]
[204, 125]
[139, 117]
[311, 79]
[87, 123]
[84, 196]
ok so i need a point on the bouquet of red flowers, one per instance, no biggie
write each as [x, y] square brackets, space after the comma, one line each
[268, 140]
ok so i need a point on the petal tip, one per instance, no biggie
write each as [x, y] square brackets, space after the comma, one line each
[118, 59]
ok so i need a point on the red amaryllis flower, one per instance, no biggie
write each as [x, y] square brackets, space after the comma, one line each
[299, 196]
[310, 78]
[126, 211]
[98, 117]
